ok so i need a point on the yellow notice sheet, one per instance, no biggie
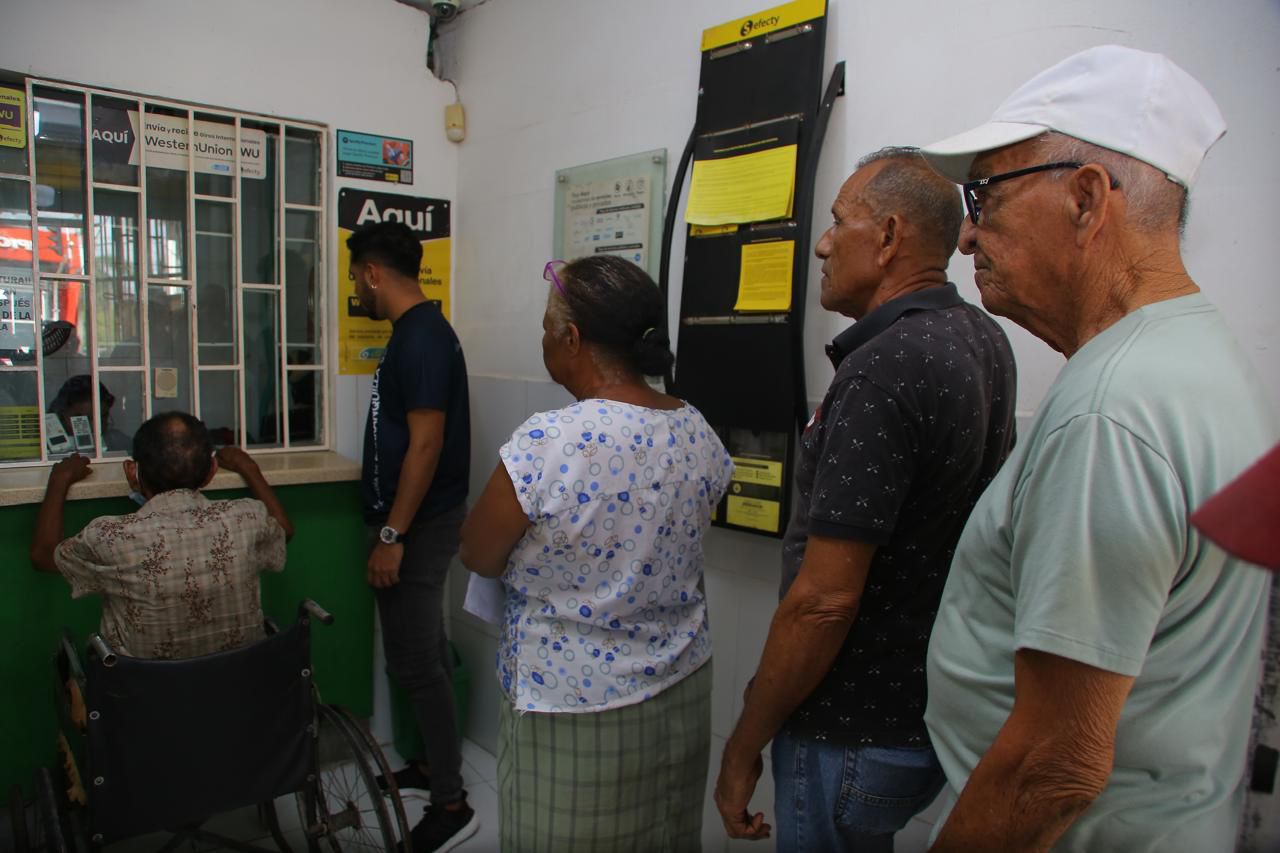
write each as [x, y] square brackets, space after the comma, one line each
[764, 282]
[762, 472]
[754, 513]
[745, 188]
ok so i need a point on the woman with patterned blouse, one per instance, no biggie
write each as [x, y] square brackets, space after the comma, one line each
[594, 519]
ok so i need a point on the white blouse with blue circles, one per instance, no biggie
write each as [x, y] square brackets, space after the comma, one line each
[605, 603]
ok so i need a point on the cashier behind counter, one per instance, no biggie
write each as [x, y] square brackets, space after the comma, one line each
[75, 400]
[179, 577]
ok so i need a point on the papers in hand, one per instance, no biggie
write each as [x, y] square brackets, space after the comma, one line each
[486, 599]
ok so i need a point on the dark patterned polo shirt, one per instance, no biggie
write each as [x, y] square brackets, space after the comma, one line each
[915, 424]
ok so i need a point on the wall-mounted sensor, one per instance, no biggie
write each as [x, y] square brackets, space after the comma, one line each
[455, 123]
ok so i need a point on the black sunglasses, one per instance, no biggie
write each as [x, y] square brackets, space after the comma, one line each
[970, 188]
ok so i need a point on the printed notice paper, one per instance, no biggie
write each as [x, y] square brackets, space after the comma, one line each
[764, 282]
[747, 188]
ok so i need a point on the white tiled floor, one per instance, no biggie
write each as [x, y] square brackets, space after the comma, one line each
[479, 772]
[479, 775]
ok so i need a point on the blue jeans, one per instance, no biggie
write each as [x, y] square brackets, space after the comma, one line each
[833, 798]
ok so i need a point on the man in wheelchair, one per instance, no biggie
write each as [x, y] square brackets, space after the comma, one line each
[178, 578]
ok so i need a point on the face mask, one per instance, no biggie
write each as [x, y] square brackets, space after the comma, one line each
[138, 498]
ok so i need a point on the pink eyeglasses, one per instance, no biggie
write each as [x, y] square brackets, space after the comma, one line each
[549, 274]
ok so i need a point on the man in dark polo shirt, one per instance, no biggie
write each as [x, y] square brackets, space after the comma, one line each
[915, 424]
[417, 451]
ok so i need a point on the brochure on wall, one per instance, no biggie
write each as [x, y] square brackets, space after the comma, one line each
[213, 147]
[13, 118]
[374, 157]
[361, 339]
[746, 175]
[609, 217]
[764, 277]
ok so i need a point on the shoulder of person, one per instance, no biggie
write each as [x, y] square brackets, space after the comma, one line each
[240, 508]
[543, 425]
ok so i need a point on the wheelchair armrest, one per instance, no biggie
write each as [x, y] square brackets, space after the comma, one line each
[309, 607]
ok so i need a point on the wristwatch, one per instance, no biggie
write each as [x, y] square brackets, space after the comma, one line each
[390, 536]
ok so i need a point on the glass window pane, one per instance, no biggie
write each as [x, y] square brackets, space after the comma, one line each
[302, 167]
[215, 283]
[122, 409]
[13, 160]
[306, 407]
[115, 136]
[169, 324]
[60, 179]
[167, 223]
[167, 193]
[17, 322]
[118, 280]
[220, 405]
[64, 327]
[258, 211]
[19, 416]
[262, 369]
[68, 388]
[302, 293]
[215, 155]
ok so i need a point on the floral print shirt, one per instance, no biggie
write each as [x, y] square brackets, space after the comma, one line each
[605, 603]
[179, 577]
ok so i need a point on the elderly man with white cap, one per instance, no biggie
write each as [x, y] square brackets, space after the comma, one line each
[1093, 665]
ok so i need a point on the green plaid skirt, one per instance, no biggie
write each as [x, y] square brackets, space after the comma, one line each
[628, 779]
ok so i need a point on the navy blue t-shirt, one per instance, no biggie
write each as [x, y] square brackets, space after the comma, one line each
[422, 368]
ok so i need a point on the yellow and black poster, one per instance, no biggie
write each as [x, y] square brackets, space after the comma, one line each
[361, 339]
[13, 117]
[757, 496]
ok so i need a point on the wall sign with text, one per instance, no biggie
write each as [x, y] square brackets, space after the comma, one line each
[168, 142]
[362, 339]
[374, 157]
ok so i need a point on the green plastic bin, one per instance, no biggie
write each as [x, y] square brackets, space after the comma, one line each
[404, 727]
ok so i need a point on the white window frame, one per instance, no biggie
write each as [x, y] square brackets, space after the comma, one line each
[326, 346]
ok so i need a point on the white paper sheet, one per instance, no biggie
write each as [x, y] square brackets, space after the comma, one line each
[486, 599]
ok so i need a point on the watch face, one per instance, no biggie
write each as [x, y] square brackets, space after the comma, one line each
[388, 535]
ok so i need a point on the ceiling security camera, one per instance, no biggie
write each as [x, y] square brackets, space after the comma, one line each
[444, 10]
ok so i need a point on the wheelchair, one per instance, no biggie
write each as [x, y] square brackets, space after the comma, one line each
[165, 745]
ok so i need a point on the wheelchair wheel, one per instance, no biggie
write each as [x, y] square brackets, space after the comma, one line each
[343, 809]
[48, 833]
[379, 761]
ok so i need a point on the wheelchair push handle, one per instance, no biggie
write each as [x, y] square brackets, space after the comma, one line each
[102, 650]
[314, 610]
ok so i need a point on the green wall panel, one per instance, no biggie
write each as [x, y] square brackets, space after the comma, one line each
[325, 562]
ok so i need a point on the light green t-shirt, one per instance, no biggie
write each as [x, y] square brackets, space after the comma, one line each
[1080, 547]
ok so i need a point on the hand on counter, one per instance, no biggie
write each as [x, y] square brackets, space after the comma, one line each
[237, 461]
[71, 470]
[48, 532]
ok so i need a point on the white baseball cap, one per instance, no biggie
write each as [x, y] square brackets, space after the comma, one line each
[1127, 100]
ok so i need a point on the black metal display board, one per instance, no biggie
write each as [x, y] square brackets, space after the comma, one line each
[760, 85]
